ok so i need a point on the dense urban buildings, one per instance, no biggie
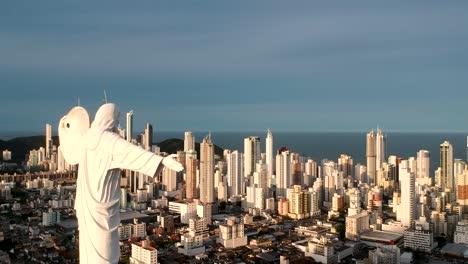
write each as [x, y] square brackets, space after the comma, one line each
[228, 201]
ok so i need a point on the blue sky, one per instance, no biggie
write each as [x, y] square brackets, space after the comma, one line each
[238, 65]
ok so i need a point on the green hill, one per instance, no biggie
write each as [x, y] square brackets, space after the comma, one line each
[21, 146]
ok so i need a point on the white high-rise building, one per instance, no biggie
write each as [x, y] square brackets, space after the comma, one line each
[407, 208]
[48, 140]
[191, 176]
[446, 166]
[260, 176]
[360, 173]
[129, 129]
[207, 171]
[169, 180]
[234, 173]
[283, 172]
[354, 202]
[255, 197]
[310, 172]
[252, 154]
[371, 158]
[148, 136]
[375, 152]
[189, 141]
[380, 152]
[270, 160]
[314, 201]
[423, 165]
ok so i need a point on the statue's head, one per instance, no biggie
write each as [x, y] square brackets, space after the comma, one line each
[72, 127]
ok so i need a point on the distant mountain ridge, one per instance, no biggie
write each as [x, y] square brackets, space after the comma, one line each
[21, 146]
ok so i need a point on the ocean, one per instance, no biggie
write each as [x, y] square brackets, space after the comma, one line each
[322, 145]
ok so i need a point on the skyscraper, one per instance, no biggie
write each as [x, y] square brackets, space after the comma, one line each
[371, 157]
[423, 164]
[189, 141]
[129, 129]
[270, 161]
[283, 171]
[191, 176]
[375, 152]
[234, 173]
[345, 165]
[462, 191]
[406, 210]
[251, 154]
[446, 166]
[380, 152]
[148, 136]
[48, 140]
[207, 170]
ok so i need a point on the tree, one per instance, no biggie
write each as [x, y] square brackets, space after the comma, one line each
[360, 251]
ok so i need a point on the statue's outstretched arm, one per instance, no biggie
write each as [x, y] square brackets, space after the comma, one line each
[126, 155]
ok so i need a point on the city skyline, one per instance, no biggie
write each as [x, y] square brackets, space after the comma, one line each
[302, 67]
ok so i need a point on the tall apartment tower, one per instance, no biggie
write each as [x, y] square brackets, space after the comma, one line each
[129, 129]
[371, 157]
[189, 141]
[283, 171]
[148, 136]
[207, 171]
[446, 166]
[234, 173]
[462, 191]
[48, 141]
[423, 164]
[252, 154]
[191, 175]
[270, 160]
[375, 152]
[345, 165]
[380, 152]
[407, 207]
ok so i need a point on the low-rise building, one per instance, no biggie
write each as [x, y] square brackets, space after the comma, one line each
[461, 233]
[143, 253]
[356, 225]
[420, 238]
[385, 255]
[231, 234]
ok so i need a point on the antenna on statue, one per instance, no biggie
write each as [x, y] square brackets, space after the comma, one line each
[105, 97]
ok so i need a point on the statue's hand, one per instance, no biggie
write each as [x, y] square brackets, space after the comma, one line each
[170, 163]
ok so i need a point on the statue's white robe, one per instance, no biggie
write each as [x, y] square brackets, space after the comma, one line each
[98, 191]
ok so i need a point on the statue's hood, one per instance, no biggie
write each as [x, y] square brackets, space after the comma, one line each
[107, 118]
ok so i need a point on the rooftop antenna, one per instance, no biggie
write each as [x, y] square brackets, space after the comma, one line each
[78, 101]
[105, 97]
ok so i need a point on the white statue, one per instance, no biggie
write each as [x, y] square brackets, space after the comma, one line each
[100, 154]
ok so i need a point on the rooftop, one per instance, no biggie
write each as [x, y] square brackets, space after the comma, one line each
[127, 216]
[381, 236]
